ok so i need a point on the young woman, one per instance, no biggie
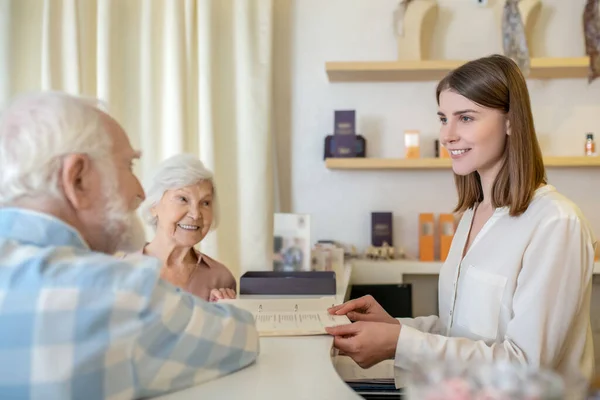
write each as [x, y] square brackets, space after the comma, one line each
[517, 282]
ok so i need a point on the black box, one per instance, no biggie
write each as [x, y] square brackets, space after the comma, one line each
[395, 299]
[361, 147]
[288, 283]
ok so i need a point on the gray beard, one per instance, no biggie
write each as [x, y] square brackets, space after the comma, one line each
[134, 238]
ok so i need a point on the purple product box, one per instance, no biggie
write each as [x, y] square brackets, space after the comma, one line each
[382, 228]
[345, 122]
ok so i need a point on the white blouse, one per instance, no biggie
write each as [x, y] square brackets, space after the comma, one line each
[521, 293]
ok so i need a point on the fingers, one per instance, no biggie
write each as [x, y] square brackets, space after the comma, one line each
[343, 309]
[344, 344]
[221, 294]
[333, 309]
[357, 316]
[344, 330]
[216, 294]
[353, 348]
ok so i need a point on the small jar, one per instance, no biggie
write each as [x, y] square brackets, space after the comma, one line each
[590, 145]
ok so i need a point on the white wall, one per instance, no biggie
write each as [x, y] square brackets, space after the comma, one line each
[361, 30]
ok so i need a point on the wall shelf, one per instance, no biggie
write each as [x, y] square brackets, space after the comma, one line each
[443, 163]
[432, 70]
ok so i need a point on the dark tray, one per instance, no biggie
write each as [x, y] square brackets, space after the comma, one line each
[288, 283]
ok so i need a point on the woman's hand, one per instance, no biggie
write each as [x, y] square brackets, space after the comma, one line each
[220, 294]
[367, 343]
[364, 308]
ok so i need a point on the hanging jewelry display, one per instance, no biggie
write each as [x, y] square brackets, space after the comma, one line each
[399, 14]
[591, 29]
[514, 39]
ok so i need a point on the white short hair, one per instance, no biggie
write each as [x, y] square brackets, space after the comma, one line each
[174, 173]
[37, 131]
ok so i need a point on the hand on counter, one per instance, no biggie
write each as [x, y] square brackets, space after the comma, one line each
[364, 308]
[220, 294]
[367, 343]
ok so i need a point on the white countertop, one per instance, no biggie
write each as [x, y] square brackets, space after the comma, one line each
[287, 368]
[290, 368]
[371, 272]
[299, 368]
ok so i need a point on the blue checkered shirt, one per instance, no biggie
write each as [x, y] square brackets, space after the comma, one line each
[76, 324]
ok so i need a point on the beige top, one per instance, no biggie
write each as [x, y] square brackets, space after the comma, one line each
[209, 274]
[521, 293]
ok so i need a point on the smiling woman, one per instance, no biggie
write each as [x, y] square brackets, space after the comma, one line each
[487, 126]
[516, 284]
[181, 206]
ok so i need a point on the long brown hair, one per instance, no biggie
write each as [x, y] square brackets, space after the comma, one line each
[496, 82]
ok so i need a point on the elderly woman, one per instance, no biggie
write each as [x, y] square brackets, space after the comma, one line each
[181, 207]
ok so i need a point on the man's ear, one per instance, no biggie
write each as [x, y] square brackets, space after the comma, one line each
[77, 181]
[508, 127]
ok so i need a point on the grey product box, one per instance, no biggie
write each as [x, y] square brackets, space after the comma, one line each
[288, 283]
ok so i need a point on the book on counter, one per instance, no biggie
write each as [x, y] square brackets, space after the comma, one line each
[291, 317]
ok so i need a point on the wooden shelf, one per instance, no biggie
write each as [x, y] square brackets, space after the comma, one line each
[443, 163]
[572, 162]
[388, 163]
[431, 70]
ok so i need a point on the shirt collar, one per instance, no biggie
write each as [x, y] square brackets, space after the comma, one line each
[542, 190]
[38, 228]
[201, 258]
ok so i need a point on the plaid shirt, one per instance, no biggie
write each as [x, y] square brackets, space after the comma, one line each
[76, 324]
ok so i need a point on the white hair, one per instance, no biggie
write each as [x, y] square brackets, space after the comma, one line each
[174, 173]
[37, 131]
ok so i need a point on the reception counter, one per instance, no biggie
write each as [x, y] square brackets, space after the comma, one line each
[294, 368]
[289, 368]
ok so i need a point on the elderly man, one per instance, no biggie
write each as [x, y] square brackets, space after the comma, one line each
[75, 322]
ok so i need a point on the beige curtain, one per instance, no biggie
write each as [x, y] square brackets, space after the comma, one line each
[181, 76]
